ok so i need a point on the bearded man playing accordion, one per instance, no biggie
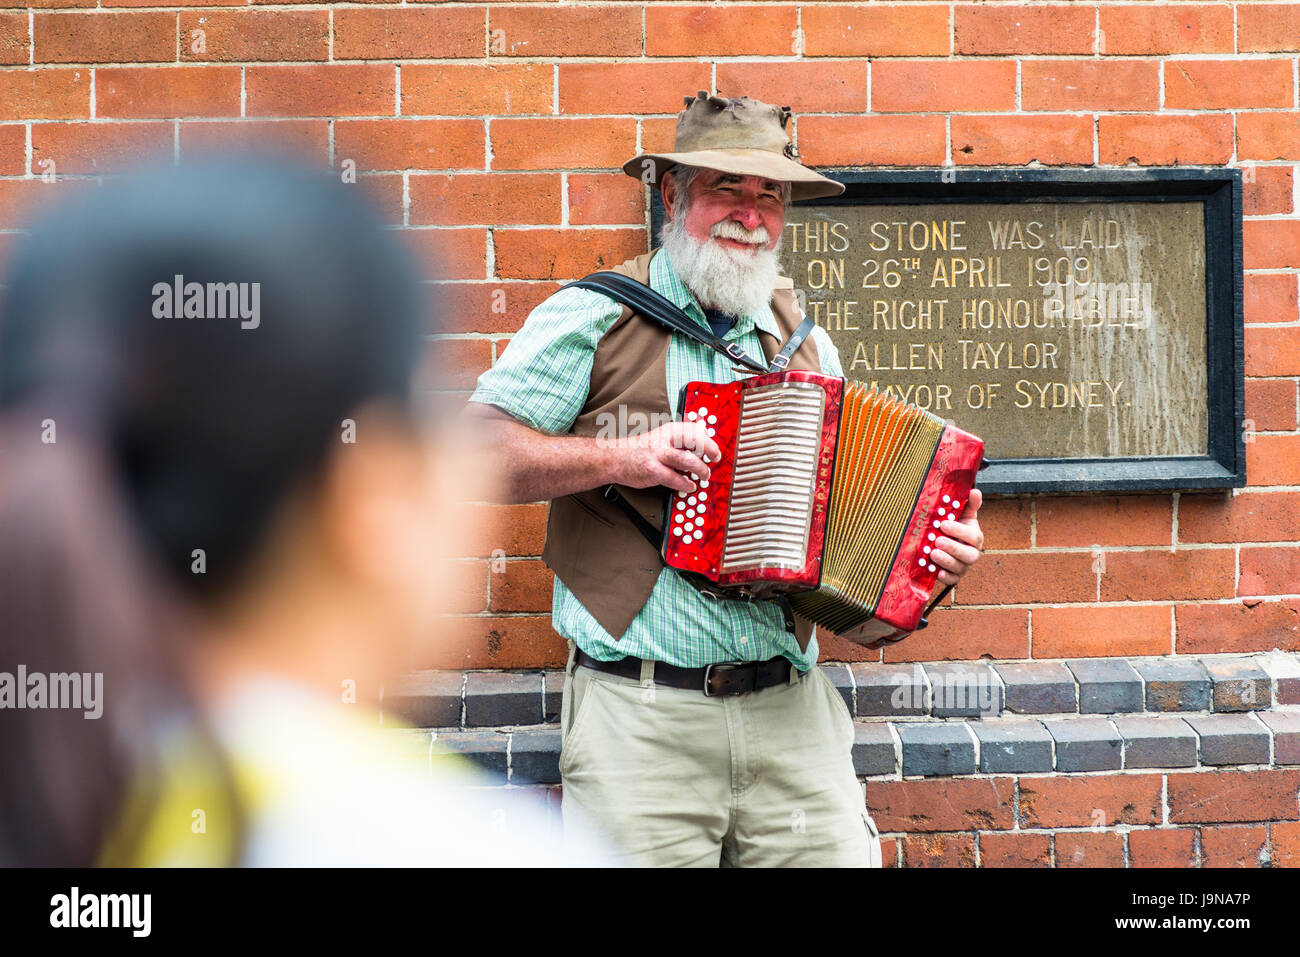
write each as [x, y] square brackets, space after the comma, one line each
[696, 730]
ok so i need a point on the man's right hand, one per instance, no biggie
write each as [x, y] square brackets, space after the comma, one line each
[667, 456]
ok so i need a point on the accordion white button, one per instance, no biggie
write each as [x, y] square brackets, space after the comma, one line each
[677, 530]
[936, 523]
[699, 523]
[711, 432]
[947, 498]
[690, 513]
[691, 500]
[703, 411]
[942, 513]
[704, 483]
[713, 419]
[681, 505]
[929, 568]
[926, 549]
[703, 496]
[955, 506]
[694, 477]
[920, 561]
[932, 536]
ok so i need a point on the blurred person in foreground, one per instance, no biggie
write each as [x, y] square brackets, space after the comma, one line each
[220, 489]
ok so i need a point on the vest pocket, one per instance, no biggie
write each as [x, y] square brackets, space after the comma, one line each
[590, 509]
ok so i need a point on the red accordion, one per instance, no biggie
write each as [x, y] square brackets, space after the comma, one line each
[828, 492]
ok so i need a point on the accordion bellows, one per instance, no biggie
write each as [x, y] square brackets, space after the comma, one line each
[828, 492]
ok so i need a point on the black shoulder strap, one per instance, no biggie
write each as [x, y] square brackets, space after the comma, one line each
[651, 304]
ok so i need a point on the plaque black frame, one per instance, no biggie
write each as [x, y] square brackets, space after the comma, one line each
[1219, 191]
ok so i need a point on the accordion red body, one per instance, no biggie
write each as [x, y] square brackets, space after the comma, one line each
[827, 492]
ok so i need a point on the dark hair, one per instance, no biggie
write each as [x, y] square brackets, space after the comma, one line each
[169, 435]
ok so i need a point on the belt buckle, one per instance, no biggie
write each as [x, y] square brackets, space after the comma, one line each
[730, 666]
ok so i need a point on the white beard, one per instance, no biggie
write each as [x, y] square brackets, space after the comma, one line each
[732, 280]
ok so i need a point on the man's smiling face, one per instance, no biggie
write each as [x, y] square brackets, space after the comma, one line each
[738, 213]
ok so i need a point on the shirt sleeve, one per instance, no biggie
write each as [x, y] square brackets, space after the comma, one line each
[826, 352]
[544, 375]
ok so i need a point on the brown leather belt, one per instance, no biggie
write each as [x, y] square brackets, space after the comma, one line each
[721, 679]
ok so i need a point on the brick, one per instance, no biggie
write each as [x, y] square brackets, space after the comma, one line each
[942, 86]
[1267, 190]
[1284, 671]
[253, 35]
[1244, 517]
[98, 147]
[578, 31]
[835, 86]
[1284, 844]
[1038, 687]
[13, 150]
[103, 37]
[1239, 684]
[518, 530]
[561, 143]
[1230, 796]
[981, 139]
[1013, 746]
[402, 144]
[23, 199]
[871, 140]
[51, 94]
[1271, 405]
[1163, 140]
[1273, 460]
[1097, 631]
[522, 585]
[535, 756]
[465, 588]
[487, 749]
[518, 641]
[488, 198]
[936, 748]
[893, 30]
[1089, 85]
[1100, 800]
[1231, 738]
[938, 850]
[640, 87]
[1268, 571]
[966, 633]
[890, 690]
[980, 29]
[1104, 520]
[489, 306]
[1175, 684]
[1227, 84]
[304, 141]
[1015, 850]
[499, 699]
[165, 92]
[1161, 847]
[733, 30]
[605, 199]
[1085, 744]
[942, 804]
[963, 690]
[1051, 576]
[1162, 574]
[1181, 28]
[1268, 28]
[1272, 352]
[1270, 297]
[873, 749]
[322, 89]
[1268, 135]
[477, 89]
[563, 253]
[1005, 522]
[1250, 625]
[1234, 846]
[405, 33]
[841, 680]
[450, 254]
[1089, 849]
[1106, 685]
[1285, 728]
[15, 38]
[426, 699]
[1156, 742]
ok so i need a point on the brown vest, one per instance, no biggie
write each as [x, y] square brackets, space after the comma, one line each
[592, 546]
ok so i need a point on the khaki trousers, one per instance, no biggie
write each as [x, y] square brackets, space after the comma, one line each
[673, 778]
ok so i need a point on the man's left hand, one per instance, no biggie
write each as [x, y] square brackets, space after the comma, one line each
[958, 548]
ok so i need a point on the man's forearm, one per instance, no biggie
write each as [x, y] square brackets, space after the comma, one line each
[538, 467]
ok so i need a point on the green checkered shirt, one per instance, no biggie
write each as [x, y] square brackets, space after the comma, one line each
[543, 378]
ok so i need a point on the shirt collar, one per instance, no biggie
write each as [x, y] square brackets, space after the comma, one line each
[665, 281]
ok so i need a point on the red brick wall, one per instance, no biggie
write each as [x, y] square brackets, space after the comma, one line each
[492, 133]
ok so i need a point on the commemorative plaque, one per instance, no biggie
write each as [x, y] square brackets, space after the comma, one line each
[1085, 323]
